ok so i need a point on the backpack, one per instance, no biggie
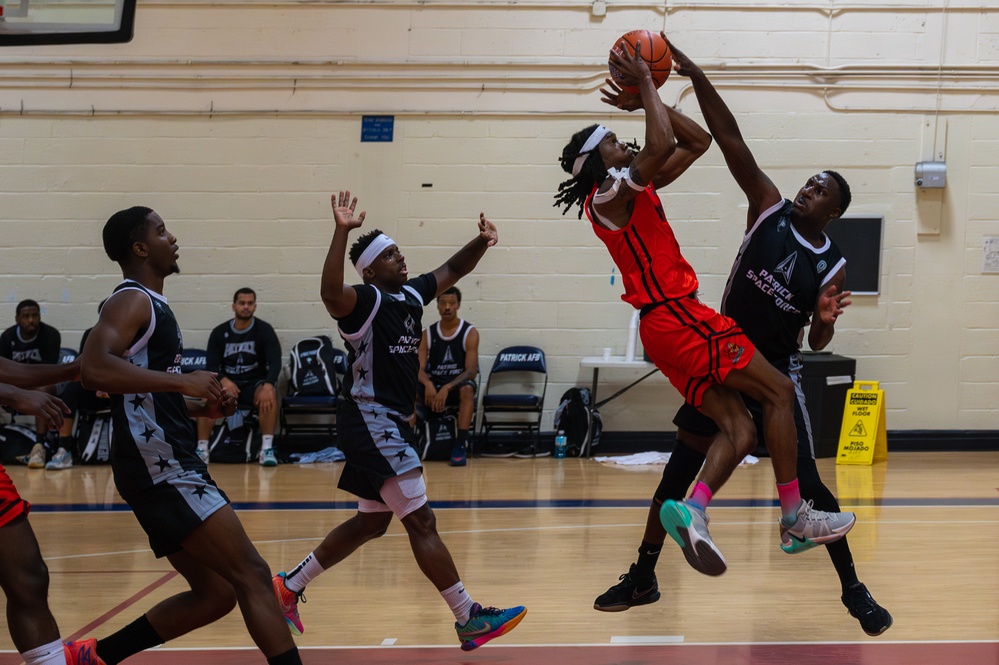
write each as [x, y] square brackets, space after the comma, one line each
[312, 367]
[93, 438]
[437, 438]
[236, 440]
[16, 441]
[580, 421]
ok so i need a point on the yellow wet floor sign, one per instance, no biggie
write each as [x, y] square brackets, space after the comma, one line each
[863, 438]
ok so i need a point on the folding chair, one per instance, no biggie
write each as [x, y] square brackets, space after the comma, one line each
[514, 398]
[324, 396]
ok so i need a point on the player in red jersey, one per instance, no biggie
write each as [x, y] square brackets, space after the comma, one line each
[23, 574]
[705, 355]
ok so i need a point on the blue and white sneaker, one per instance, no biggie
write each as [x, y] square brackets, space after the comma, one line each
[267, 458]
[487, 623]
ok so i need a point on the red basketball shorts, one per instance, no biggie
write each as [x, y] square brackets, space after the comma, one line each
[693, 345]
[11, 503]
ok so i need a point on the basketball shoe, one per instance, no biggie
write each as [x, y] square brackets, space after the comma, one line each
[487, 623]
[267, 458]
[82, 652]
[873, 618]
[814, 527]
[458, 456]
[36, 458]
[688, 526]
[629, 592]
[288, 600]
[62, 459]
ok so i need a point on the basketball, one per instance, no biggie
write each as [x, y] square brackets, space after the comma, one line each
[655, 52]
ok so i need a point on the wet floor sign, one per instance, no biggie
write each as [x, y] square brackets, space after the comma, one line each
[863, 438]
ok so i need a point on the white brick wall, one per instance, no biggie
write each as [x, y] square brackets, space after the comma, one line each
[236, 122]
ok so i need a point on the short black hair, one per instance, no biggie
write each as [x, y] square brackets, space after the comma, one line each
[453, 291]
[247, 290]
[845, 197]
[123, 229]
[361, 244]
[25, 303]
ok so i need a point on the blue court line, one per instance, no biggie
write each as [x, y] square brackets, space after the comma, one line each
[529, 504]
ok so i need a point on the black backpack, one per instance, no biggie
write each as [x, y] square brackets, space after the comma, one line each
[312, 370]
[16, 441]
[236, 440]
[438, 437]
[93, 438]
[580, 421]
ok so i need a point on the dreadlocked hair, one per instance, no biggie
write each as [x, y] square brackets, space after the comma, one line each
[575, 190]
[593, 172]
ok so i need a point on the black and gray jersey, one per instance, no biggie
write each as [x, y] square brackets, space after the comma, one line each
[382, 336]
[446, 355]
[244, 356]
[775, 282]
[152, 436]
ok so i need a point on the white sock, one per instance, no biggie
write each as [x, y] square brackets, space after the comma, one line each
[268, 442]
[47, 654]
[459, 601]
[305, 572]
[202, 444]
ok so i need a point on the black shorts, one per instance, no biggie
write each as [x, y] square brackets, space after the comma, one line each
[453, 397]
[378, 444]
[247, 389]
[690, 419]
[170, 510]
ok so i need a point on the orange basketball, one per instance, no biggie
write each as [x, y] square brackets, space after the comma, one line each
[655, 52]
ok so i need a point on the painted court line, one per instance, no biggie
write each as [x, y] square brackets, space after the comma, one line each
[99, 621]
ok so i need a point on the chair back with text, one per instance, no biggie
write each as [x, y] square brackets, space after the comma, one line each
[193, 360]
[514, 396]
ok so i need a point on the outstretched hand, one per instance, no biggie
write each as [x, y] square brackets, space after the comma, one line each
[487, 230]
[831, 304]
[343, 211]
[682, 65]
[618, 98]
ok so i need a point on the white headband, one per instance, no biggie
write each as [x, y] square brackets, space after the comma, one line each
[372, 252]
[595, 138]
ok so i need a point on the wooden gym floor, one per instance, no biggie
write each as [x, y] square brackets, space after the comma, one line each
[552, 535]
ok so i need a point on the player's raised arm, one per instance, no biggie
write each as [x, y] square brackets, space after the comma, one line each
[760, 191]
[338, 297]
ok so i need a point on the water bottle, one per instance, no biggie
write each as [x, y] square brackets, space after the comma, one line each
[561, 444]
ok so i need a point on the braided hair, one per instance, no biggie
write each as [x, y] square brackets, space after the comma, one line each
[593, 172]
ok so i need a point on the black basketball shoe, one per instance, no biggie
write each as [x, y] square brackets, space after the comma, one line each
[873, 618]
[629, 592]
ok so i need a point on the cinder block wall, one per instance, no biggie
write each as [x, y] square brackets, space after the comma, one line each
[236, 121]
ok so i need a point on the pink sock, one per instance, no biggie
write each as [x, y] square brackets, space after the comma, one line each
[790, 498]
[701, 496]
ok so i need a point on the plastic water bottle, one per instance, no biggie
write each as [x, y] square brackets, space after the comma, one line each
[561, 444]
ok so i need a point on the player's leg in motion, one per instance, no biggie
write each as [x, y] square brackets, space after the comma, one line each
[25, 582]
[801, 526]
[687, 521]
[405, 496]
[223, 570]
[639, 585]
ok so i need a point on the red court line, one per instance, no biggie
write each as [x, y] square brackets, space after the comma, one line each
[872, 653]
[99, 621]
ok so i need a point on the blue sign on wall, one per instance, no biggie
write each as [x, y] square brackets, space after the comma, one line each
[377, 128]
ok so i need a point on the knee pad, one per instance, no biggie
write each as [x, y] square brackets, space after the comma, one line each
[406, 493]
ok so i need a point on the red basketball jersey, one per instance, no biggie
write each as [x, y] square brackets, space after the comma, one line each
[647, 253]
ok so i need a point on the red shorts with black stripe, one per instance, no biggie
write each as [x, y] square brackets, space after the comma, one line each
[11, 503]
[693, 345]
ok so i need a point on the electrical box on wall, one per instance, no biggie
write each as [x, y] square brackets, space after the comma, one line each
[931, 175]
